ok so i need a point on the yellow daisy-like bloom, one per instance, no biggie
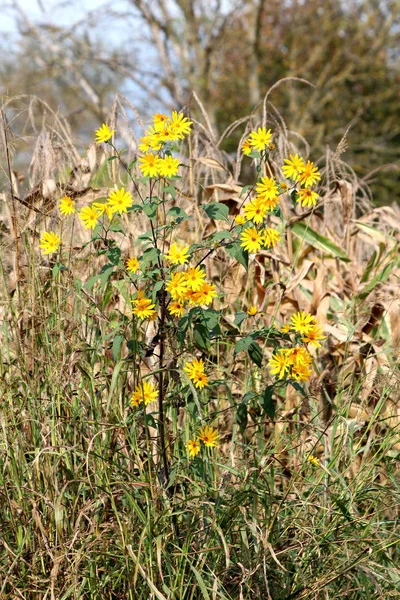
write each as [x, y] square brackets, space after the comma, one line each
[144, 392]
[267, 188]
[120, 200]
[160, 121]
[255, 211]
[302, 322]
[156, 138]
[145, 144]
[195, 371]
[209, 436]
[252, 310]
[67, 206]
[260, 139]
[307, 197]
[313, 460]
[298, 356]
[301, 372]
[177, 286]
[313, 335]
[178, 254]
[279, 364]
[132, 264]
[271, 237]
[294, 167]
[268, 203]
[284, 186]
[204, 296]
[103, 207]
[240, 219]
[149, 166]
[104, 133]
[143, 308]
[177, 308]
[168, 166]
[180, 124]
[194, 278]
[89, 217]
[247, 147]
[49, 242]
[251, 239]
[193, 447]
[285, 328]
[309, 175]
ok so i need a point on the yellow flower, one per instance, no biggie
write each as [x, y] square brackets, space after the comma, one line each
[268, 203]
[178, 254]
[252, 310]
[145, 143]
[294, 166]
[67, 206]
[194, 278]
[180, 124]
[103, 207]
[267, 188]
[302, 322]
[120, 200]
[271, 237]
[89, 217]
[313, 460]
[313, 335]
[177, 308]
[240, 219]
[298, 357]
[309, 175]
[255, 211]
[209, 436]
[104, 133]
[143, 308]
[284, 186]
[260, 139]
[193, 447]
[206, 294]
[307, 197]
[195, 372]
[149, 166]
[144, 392]
[132, 264]
[279, 364]
[160, 121]
[247, 147]
[177, 285]
[49, 242]
[285, 328]
[168, 166]
[301, 372]
[251, 239]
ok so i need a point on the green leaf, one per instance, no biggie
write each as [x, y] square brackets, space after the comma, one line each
[268, 403]
[57, 268]
[177, 212]
[170, 189]
[239, 318]
[201, 336]
[150, 257]
[238, 253]
[150, 209]
[220, 235]
[117, 228]
[116, 347]
[299, 388]
[183, 325]
[217, 211]
[254, 154]
[315, 239]
[105, 274]
[379, 278]
[113, 255]
[241, 416]
[255, 353]
[132, 164]
[156, 288]
[210, 318]
[243, 344]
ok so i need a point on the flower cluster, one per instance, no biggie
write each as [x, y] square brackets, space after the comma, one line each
[144, 392]
[157, 160]
[295, 363]
[195, 371]
[208, 435]
[189, 286]
[305, 174]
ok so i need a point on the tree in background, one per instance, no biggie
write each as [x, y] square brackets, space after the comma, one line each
[230, 53]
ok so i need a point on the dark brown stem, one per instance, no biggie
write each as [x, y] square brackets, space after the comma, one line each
[161, 386]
